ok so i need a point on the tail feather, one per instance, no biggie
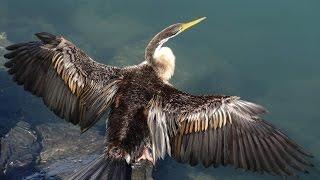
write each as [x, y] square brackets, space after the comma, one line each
[119, 170]
[104, 168]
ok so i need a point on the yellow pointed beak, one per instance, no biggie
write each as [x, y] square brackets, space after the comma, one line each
[185, 26]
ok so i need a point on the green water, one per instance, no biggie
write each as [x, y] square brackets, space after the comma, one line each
[264, 51]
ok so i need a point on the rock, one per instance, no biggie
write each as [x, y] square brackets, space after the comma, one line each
[3, 43]
[65, 167]
[53, 151]
[65, 149]
[9, 120]
[61, 141]
[41, 176]
[19, 150]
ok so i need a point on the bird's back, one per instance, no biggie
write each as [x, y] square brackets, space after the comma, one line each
[127, 123]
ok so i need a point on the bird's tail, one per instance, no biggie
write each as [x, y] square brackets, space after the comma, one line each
[104, 168]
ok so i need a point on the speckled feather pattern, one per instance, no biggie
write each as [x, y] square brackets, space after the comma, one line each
[68, 80]
[221, 130]
[147, 112]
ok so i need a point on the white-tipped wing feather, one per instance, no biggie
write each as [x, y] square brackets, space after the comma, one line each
[71, 84]
[220, 130]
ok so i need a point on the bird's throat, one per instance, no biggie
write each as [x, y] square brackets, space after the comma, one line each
[163, 62]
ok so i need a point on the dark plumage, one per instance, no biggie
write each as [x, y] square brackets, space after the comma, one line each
[148, 113]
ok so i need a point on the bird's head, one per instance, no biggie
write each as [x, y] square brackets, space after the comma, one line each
[162, 58]
[174, 30]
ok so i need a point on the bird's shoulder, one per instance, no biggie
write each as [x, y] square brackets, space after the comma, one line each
[142, 73]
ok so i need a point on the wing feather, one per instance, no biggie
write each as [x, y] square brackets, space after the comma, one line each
[222, 130]
[70, 83]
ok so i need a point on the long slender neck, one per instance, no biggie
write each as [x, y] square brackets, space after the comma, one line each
[160, 58]
[151, 48]
[159, 39]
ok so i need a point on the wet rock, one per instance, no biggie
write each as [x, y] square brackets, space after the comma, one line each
[62, 140]
[41, 176]
[3, 43]
[53, 151]
[19, 150]
[65, 149]
[8, 120]
[65, 167]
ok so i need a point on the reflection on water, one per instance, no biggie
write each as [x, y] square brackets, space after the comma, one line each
[264, 51]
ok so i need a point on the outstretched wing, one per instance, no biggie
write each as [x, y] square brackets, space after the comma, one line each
[71, 84]
[220, 130]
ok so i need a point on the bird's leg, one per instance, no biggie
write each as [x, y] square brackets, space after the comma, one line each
[146, 155]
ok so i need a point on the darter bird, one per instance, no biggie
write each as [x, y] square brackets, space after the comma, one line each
[148, 117]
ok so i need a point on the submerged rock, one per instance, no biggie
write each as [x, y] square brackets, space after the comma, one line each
[65, 149]
[53, 151]
[19, 150]
[3, 43]
[62, 140]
